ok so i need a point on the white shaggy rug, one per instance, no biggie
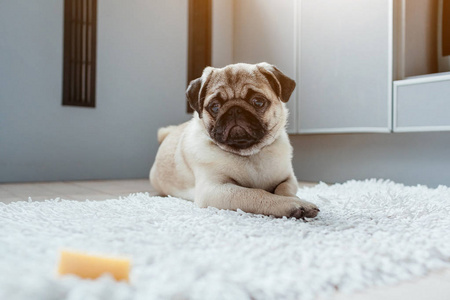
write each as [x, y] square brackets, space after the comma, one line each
[367, 234]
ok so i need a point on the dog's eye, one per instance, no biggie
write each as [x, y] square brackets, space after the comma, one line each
[258, 102]
[215, 107]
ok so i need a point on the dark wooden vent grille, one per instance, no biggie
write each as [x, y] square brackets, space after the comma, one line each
[80, 39]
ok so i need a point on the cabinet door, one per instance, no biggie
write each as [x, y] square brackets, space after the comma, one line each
[345, 69]
[422, 103]
[264, 31]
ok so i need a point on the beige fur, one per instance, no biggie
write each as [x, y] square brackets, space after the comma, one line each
[164, 132]
[192, 165]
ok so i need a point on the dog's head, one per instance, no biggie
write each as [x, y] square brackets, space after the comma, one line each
[241, 106]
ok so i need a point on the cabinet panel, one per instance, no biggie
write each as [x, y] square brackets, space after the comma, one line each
[266, 31]
[345, 69]
[422, 104]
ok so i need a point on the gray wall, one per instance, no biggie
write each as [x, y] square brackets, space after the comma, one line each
[141, 79]
[264, 31]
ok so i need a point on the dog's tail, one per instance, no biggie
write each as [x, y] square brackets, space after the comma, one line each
[164, 132]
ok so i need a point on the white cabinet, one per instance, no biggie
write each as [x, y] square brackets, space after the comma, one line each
[422, 95]
[345, 66]
[341, 53]
[265, 30]
[338, 51]
[422, 103]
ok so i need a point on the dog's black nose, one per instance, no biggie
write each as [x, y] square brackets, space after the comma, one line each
[235, 111]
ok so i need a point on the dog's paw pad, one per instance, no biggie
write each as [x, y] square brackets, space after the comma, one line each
[311, 213]
[297, 213]
[301, 212]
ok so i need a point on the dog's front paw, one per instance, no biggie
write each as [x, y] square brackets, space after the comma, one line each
[303, 209]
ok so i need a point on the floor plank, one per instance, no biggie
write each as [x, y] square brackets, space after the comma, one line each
[80, 190]
[73, 190]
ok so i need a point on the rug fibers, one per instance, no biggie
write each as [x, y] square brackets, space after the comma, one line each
[368, 233]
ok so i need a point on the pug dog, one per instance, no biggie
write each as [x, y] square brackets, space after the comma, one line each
[235, 152]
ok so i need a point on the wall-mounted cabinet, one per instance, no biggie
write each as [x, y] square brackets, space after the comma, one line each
[351, 59]
[421, 93]
[345, 66]
[422, 103]
[266, 31]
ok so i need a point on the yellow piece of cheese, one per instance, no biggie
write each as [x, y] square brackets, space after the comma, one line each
[91, 266]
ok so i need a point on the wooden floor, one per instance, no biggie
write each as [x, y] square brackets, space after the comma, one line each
[435, 286]
[78, 190]
[73, 190]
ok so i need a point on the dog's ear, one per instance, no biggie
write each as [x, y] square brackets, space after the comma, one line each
[282, 85]
[196, 91]
[193, 94]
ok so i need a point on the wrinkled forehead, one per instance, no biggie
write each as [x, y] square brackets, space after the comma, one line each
[235, 83]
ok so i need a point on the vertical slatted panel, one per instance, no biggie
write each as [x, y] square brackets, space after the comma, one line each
[93, 50]
[79, 49]
[86, 50]
[74, 53]
[73, 47]
[80, 24]
[67, 70]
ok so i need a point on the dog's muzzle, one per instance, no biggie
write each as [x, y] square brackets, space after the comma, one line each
[239, 128]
